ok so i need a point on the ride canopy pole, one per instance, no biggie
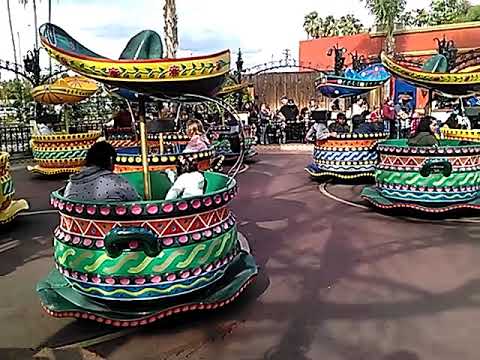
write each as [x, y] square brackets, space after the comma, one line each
[144, 149]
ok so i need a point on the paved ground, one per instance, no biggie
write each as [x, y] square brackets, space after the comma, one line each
[337, 283]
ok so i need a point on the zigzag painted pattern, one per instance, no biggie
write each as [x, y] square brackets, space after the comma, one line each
[428, 196]
[434, 180]
[49, 155]
[345, 155]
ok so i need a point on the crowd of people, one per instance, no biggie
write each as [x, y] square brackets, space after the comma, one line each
[399, 119]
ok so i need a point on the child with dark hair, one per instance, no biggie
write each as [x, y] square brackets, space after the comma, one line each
[97, 181]
[425, 135]
[190, 181]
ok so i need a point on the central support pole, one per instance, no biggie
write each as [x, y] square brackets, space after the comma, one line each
[144, 148]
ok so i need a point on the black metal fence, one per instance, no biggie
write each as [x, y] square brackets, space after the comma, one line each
[15, 139]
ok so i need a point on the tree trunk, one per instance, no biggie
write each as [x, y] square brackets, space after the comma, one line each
[171, 34]
[50, 21]
[35, 22]
[11, 33]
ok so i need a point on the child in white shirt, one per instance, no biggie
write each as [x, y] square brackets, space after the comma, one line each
[190, 181]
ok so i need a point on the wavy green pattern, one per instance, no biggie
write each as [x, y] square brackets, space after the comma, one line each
[123, 260]
[144, 290]
[193, 255]
[438, 180]
[169, 260]
[59, 154]
[63, 257]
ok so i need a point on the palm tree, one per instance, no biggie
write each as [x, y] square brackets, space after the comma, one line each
[312, 24]
[387, 13]
[171, 32]
[329, 26]
[34, 3]
[11, 32]
[349, 25]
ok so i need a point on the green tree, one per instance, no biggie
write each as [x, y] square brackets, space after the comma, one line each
[447, 11]
[329, 27]
[387, 13]
[473, 14]
[311, 25]
[349, 25]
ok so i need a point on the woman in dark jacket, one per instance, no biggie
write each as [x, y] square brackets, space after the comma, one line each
[425, 135]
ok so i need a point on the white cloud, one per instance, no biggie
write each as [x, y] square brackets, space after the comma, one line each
[262, 28]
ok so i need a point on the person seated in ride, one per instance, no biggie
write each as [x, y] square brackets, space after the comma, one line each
[198, 139]
[425, 135]
[189, 182]
[97, 181]
[369, 126]
[452, 122]
[340, 126]
[318, 131]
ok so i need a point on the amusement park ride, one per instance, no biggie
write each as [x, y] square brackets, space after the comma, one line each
[426, 179]
[348, 156]
[130, 264]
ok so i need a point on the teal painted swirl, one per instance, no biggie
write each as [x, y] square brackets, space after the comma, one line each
[456, 179]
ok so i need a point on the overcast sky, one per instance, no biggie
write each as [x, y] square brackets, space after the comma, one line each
[261, 28]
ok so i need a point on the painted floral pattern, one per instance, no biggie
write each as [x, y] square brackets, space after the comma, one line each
[187, 69]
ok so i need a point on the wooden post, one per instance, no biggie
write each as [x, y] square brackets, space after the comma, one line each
[144, 149]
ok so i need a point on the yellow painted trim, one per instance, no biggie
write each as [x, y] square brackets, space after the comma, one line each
[147, 72]
[425, 77]
[92, 135]
[431, 52]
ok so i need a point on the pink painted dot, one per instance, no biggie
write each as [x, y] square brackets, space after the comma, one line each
[196, 236]
[140, 281]
[84, 316]
[193, 307]
[217, 199]
[143, 322]
[167, 241]
[133, 244]
[183, 239]
[91, 317]
[108, 321]
[83, 277]
[55, 203]
[96, 279]
[171, 277]
[105, 210]
[152, 319]
[196, 203]
[185, 274]
[100, 320]
[61, 234]
[116, 323]
[61, 205]
[225, 225]
[134, 323]
[207, 201]
[156, 279]
[197, 271]
[91, 210]
[124, 281]
[99, 243]
[225, 196]
[182, 206]
[217, 229]
[167, 208]
[87, 242]
[78, 209]
[110, 281]
[152, 209]
[75, 275]
[136, 209]
[207, 233]
[120, 210]
[209, 267]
